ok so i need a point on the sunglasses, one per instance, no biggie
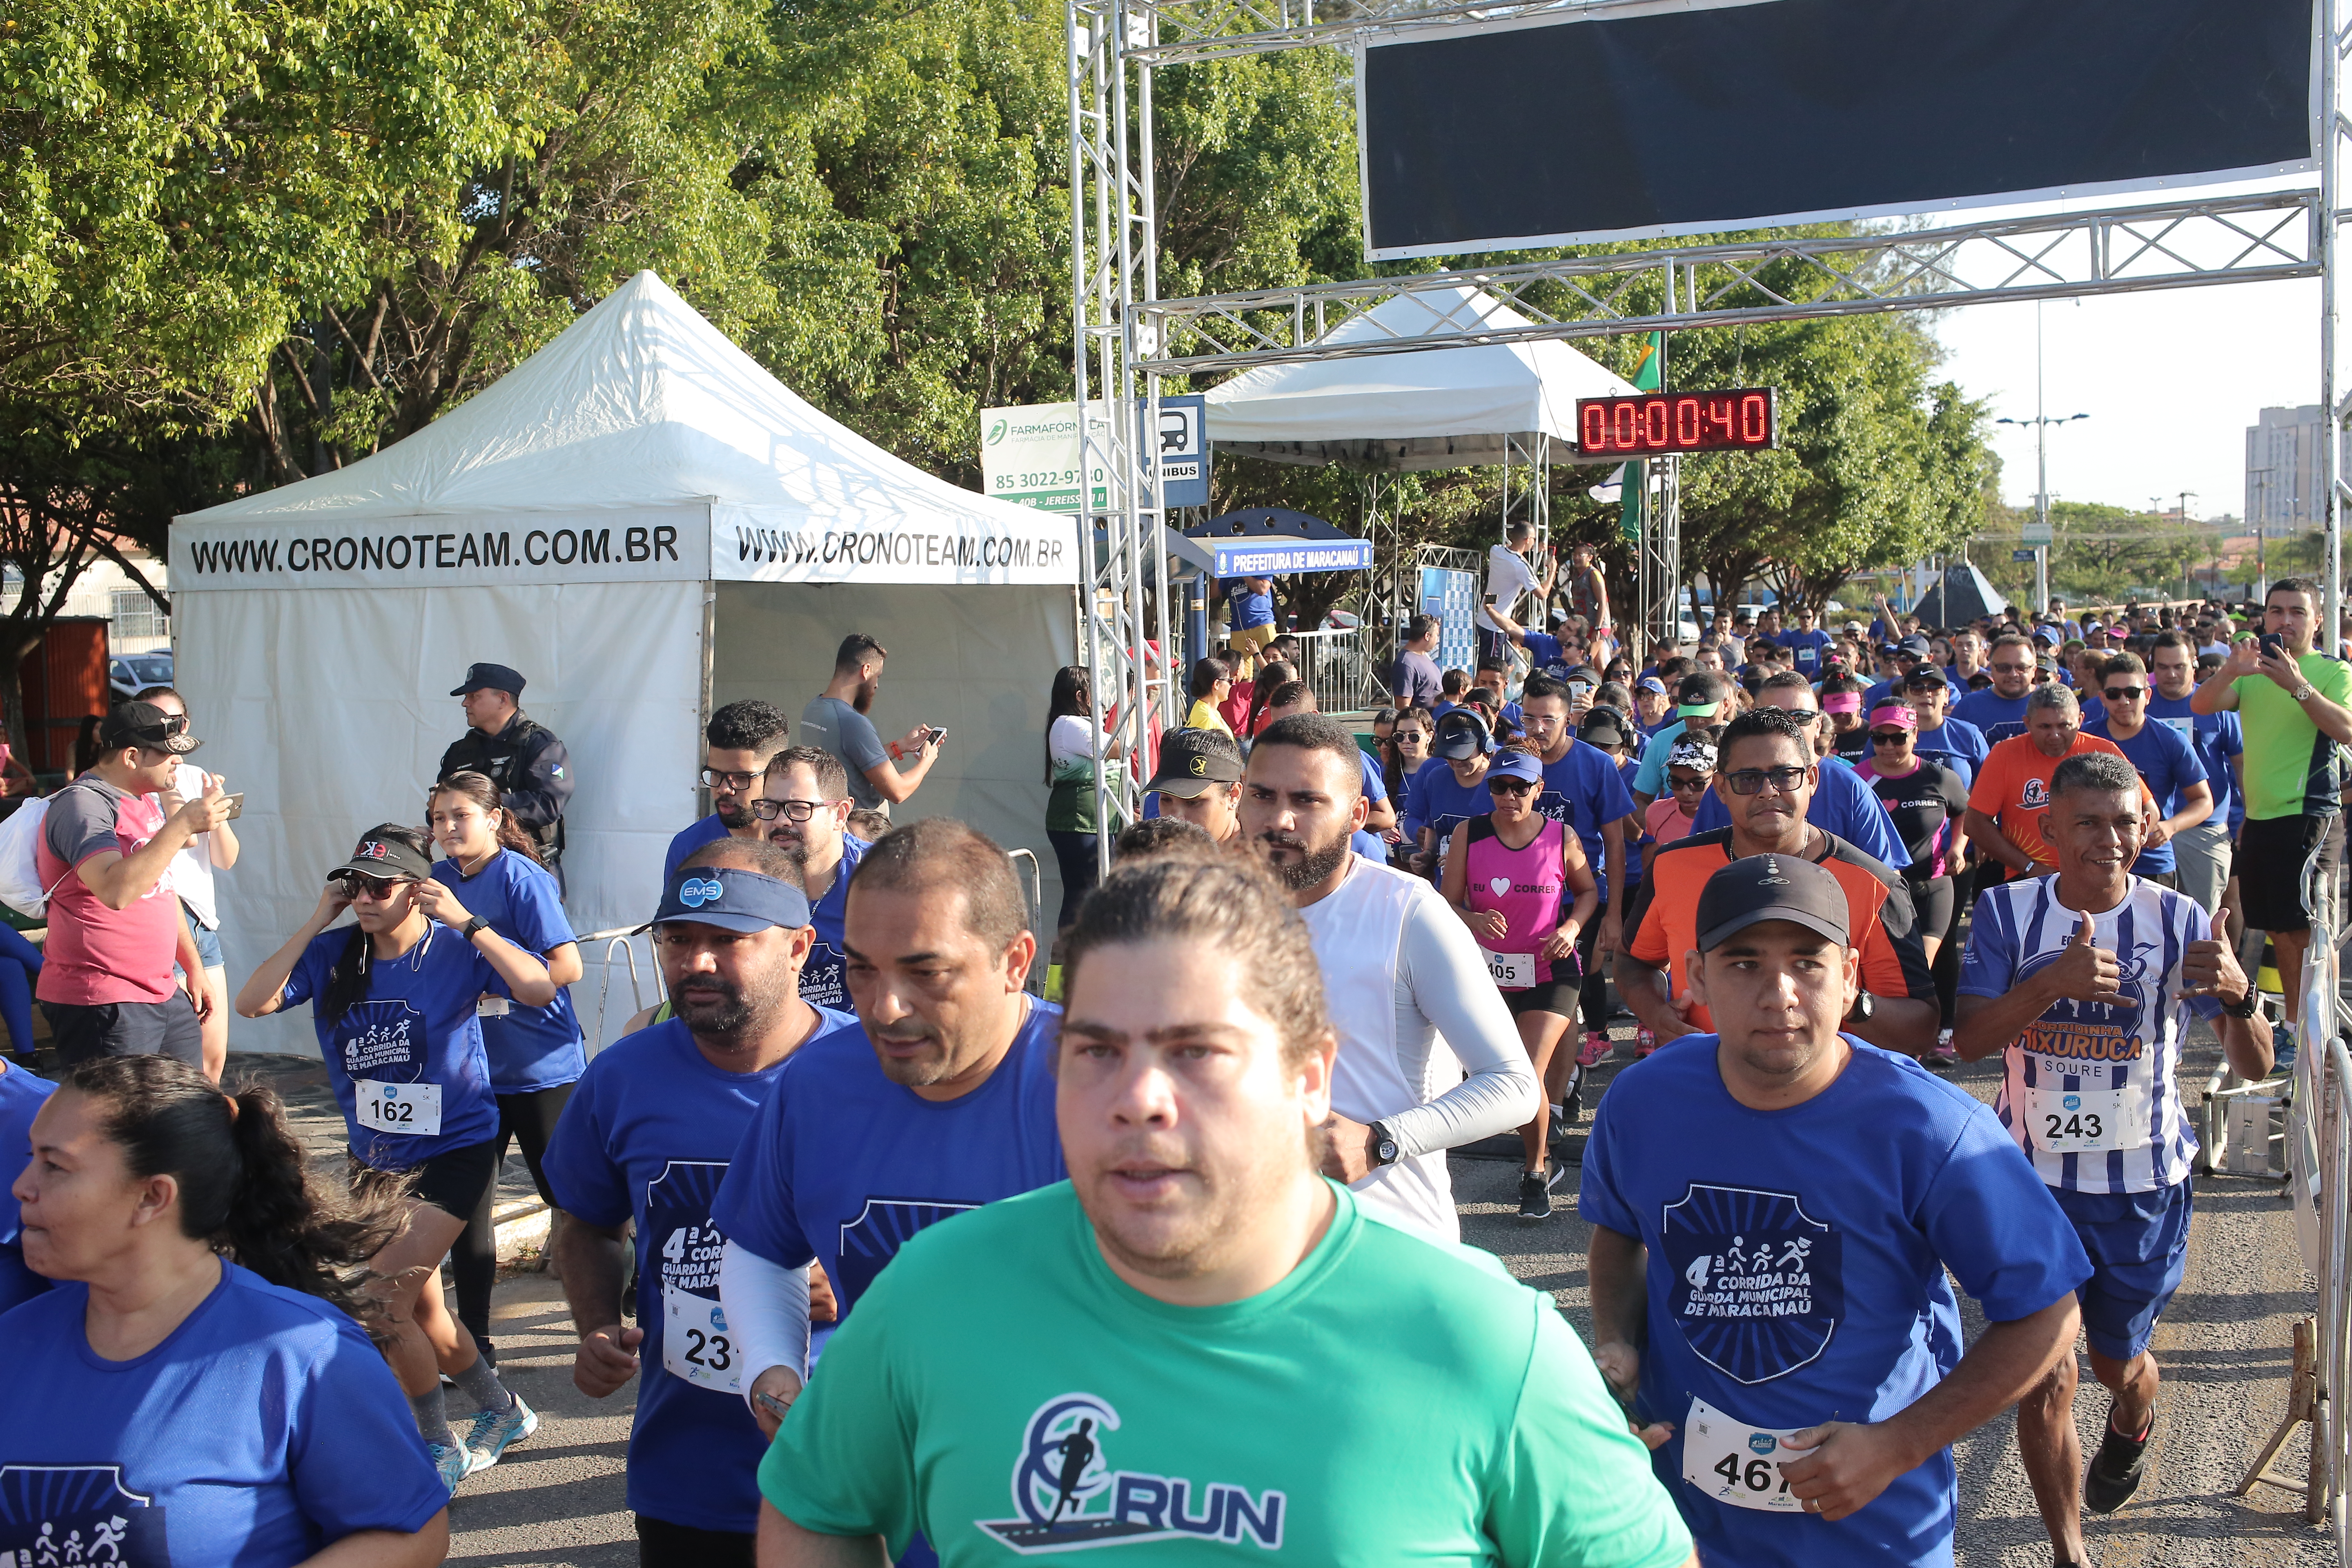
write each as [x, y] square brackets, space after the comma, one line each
[1889, 737]
[1691, 786]
[359, 885]
[1510, 786]
[1751, 781]
[1412, 737]
[2007, 668]
[2126, 693]
[790, 810]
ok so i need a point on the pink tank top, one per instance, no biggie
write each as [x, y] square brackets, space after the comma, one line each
[1525, 886]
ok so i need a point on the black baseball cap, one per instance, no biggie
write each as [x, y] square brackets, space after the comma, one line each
[1461, 735]
[1194, 762]
[1771, 888]
[144, 724]
[1603, 726]
[732, 898]
[1927, 675]
[490, 678]
[380, 854]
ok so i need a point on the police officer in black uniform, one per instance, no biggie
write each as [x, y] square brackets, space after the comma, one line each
[524, 759]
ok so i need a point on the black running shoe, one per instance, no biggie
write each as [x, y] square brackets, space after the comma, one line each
[2117, 1470]
[1535, 1194]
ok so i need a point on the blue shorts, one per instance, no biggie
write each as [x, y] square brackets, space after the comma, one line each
[2139, 1244]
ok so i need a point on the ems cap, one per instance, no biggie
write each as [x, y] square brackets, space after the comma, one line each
[490, 678]
[732, 899]
[1771, 888]
[382, 855]
[144, 724]
[1515, 764]
[1192, 764]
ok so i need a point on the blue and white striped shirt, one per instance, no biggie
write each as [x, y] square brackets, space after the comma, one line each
[2086, 1059]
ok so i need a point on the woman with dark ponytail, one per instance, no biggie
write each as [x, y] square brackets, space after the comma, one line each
[392, 999]
[535, 1053]
[199, 1387]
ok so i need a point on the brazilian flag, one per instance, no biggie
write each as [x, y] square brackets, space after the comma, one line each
[1635, 476]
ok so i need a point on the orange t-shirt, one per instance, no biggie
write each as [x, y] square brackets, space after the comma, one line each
[1880, 920]
[2012, 787]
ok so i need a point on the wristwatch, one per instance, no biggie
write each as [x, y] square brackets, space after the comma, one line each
[1383, 1145]
[2300, 692]
[475, 927]
[2248, 1006]
[1864, 1005]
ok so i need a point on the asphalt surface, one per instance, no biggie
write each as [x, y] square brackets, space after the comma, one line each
[2224, 1346]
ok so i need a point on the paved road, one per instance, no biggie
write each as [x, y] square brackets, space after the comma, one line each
[559, 1498]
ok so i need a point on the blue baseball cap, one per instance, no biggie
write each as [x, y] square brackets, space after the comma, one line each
[1515, 764]
[1651, 683]
[732, 898]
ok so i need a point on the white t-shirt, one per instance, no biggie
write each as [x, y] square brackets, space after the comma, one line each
[192, 867]
[1508, 575]
[1070, 740]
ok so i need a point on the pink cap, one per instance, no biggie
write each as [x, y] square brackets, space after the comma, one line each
[1895, 713]
[1841, 702]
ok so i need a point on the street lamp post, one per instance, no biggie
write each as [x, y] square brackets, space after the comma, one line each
[2042, 423]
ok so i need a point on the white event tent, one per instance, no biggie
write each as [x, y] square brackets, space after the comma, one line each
[1413, 408]
[646, 525]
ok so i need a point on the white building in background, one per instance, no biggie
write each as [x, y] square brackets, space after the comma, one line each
[134, 624]
[2285, 492]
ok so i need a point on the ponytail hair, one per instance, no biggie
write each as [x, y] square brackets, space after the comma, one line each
[245, 1186]
[347, 978]
[477, 788]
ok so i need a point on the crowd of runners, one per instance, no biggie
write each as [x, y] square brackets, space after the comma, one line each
[926, 1235]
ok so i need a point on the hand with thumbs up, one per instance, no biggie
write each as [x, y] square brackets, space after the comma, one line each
[2085, 972]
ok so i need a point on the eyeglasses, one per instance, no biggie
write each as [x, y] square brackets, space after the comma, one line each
[1751, 781]
[359, 885]
[1889, 737]
[712, 778]
[2007, 668]
[2126, 693]
[1691, 786]
[1510, 786]
[790, 810]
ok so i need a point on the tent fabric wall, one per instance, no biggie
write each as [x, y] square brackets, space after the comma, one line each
[326, 742]
[980, 664]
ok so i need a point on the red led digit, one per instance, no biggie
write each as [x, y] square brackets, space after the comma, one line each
[1755, 419]
[1653, 424]
[1626, 426]
[1686, 422]
[1595, 423]
[1719, 415]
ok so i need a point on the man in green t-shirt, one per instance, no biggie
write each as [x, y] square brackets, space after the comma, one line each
[2292, 700]
[1197, 1342]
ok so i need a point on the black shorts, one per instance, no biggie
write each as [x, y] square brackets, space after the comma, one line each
[2271, 855]
[452, 1181]
[165, 1028]
[1556, 995]
[1932, 901]
[661, 1544]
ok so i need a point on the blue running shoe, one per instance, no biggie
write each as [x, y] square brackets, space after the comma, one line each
[493, 1429]
[2282, 1048]
[455, 1463]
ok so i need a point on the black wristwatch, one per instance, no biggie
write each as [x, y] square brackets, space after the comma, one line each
[1864, 1005]
[474, 927]
[1383, 1145]
[2251, 1005]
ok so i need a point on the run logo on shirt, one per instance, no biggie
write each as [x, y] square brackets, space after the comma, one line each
[55, 1515]
[1759, 1283]
[1072, 1501]
[381, 1034]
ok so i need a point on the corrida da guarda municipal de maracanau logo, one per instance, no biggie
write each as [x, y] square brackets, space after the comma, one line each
[1072, 1501]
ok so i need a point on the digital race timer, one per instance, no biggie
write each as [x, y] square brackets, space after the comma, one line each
[1652, 422]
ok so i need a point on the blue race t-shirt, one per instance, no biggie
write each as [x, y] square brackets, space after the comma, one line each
[842, 1165]
[2217, 737]
[647, 1137]
[1249, 609]
[1957, 743]
[1987, 708]
[1842, 804]
[417, 1027]
[1787, 1289]
[262, 1429]
[702, 830]
[825, 977]
[21, 1094]
[1435, 799]
[2168, 765]
[1545, 654]
[529, 1048]
[1585, 790]
[1805, 649]
[1376, 793]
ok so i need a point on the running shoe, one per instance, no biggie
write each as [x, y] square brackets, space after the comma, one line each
[1594, 1050]
[1945, 1053]
[493, 1429]
[455, 1463]
[1535, 1194]
[1644, 1042]
[2116, 1470]
[2282, 1048]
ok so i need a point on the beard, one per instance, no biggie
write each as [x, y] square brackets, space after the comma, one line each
[734, 812]
[725, 1012]
[1312, 866]
[863, 700]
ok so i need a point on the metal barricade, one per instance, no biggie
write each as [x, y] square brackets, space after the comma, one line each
[618, 937]
[1337, 665]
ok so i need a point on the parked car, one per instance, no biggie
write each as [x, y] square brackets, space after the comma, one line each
[135, 674]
